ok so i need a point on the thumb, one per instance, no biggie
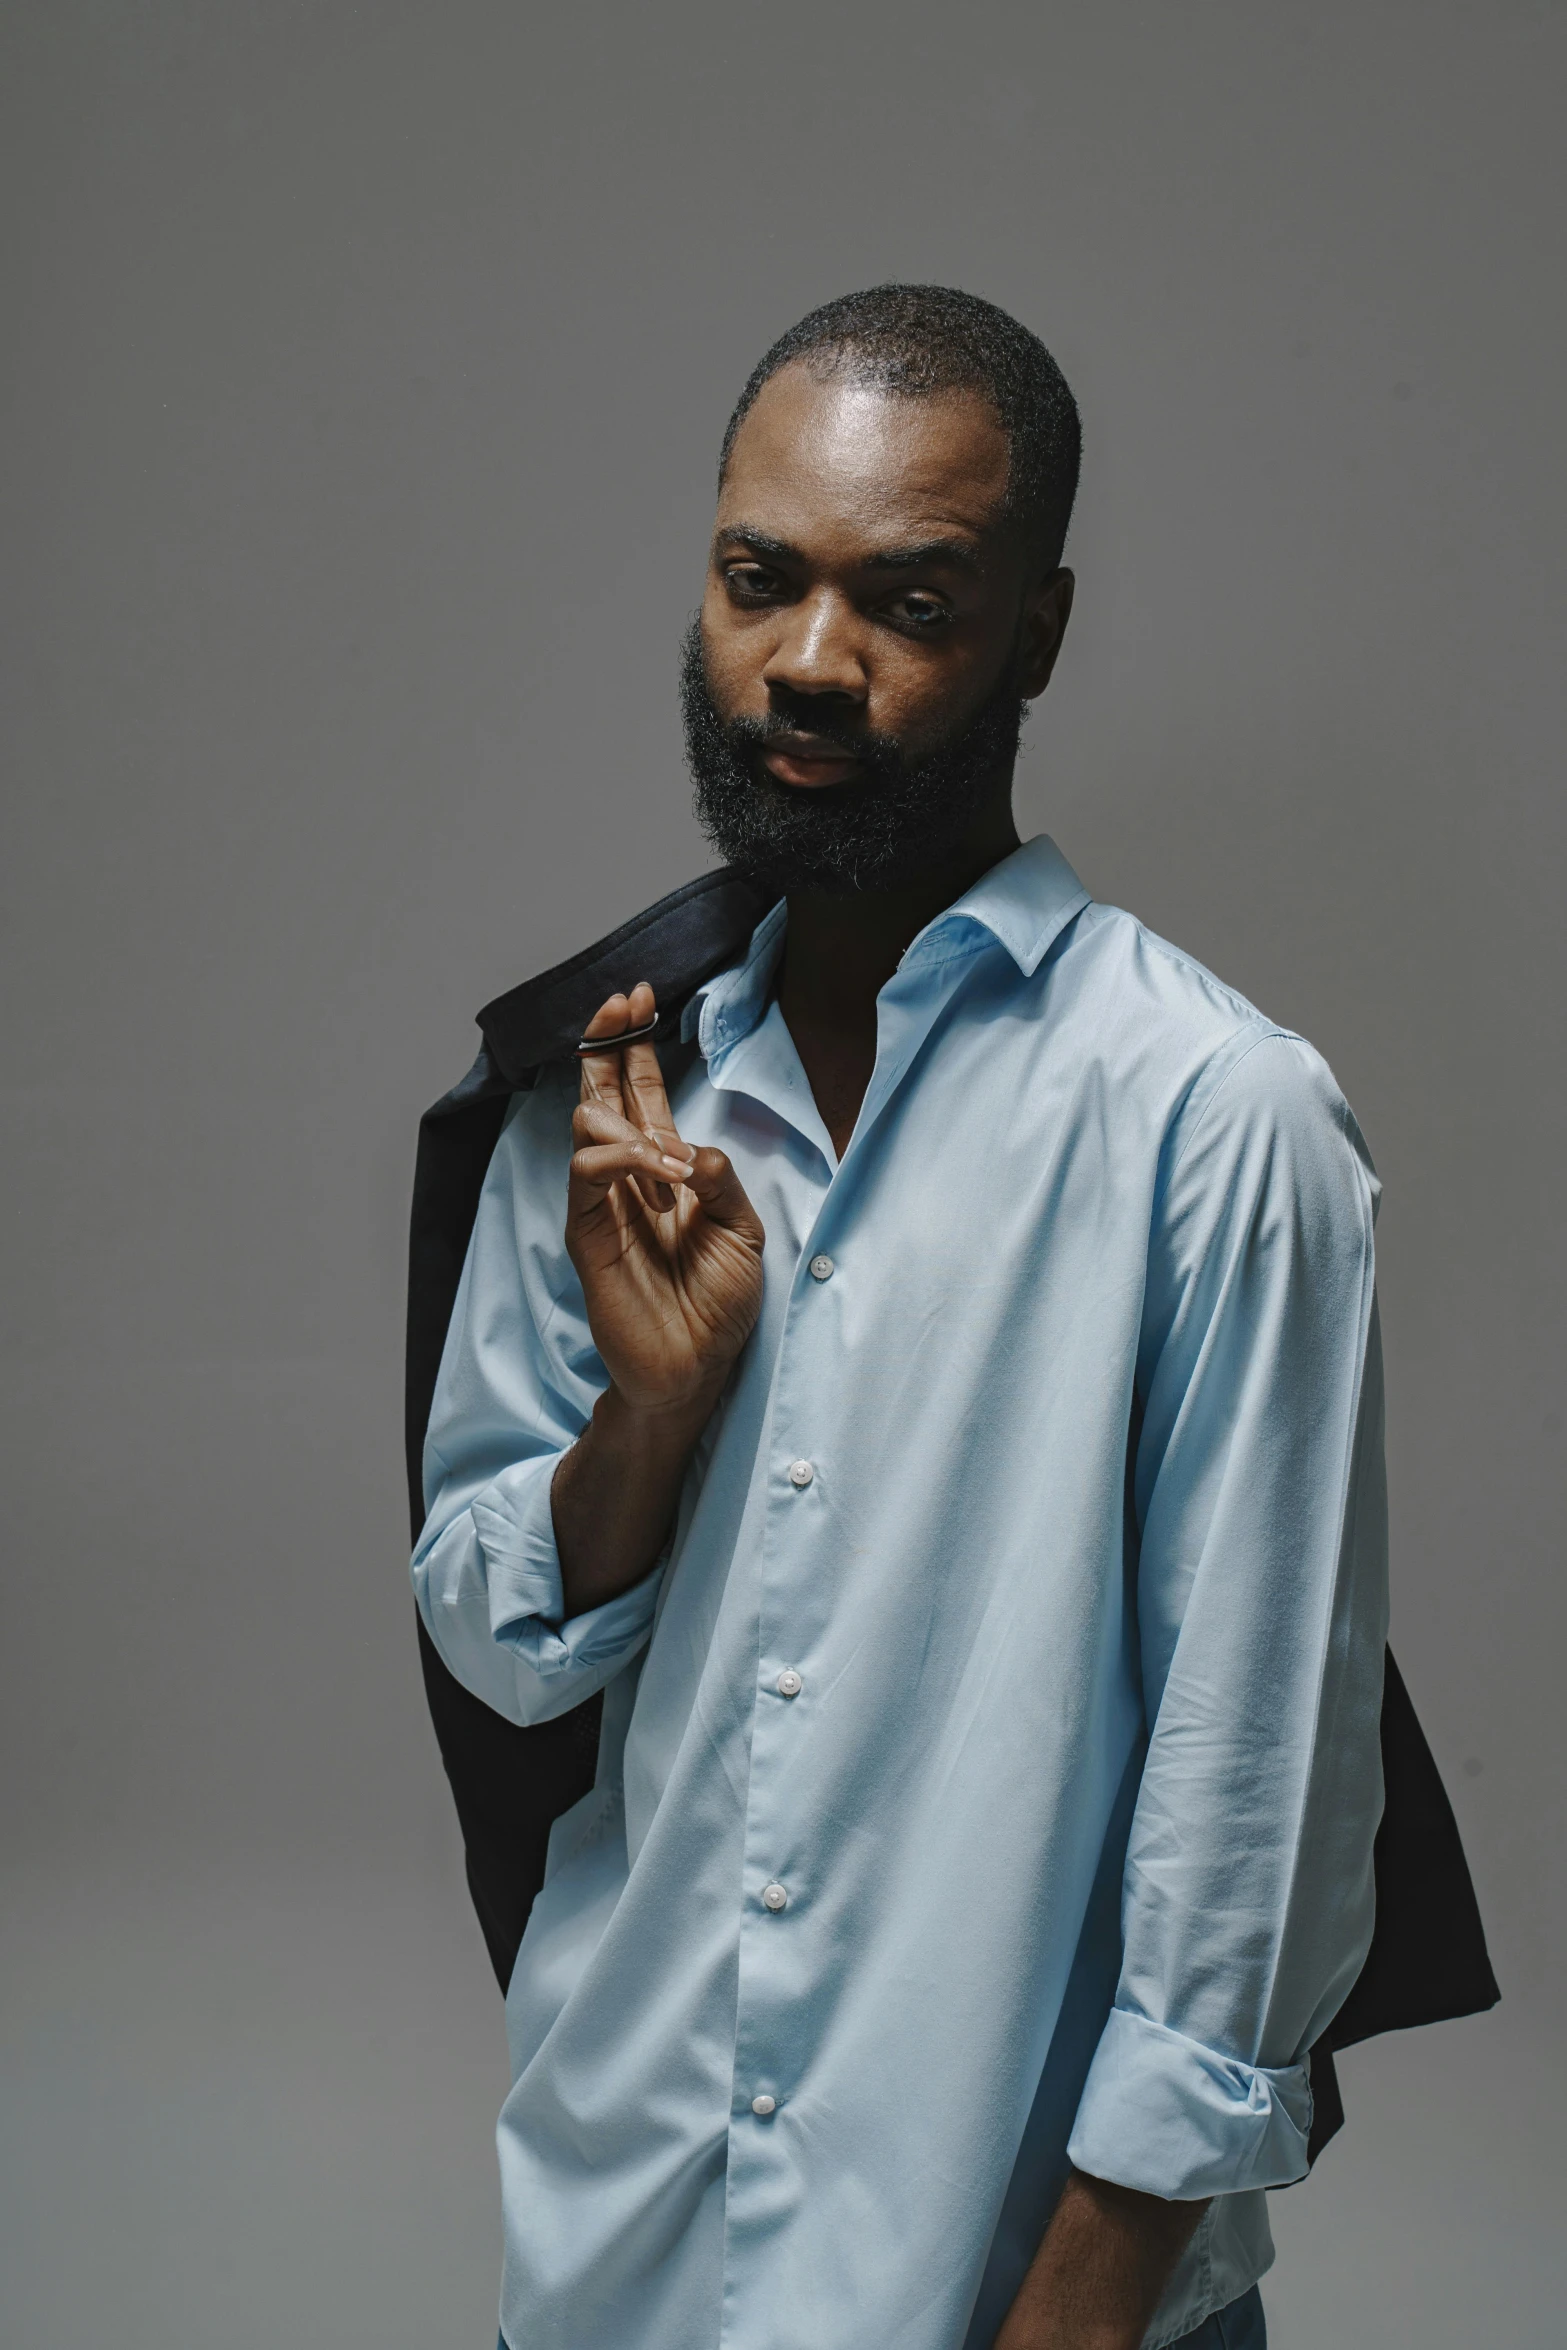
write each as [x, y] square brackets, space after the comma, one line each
[722, 1194]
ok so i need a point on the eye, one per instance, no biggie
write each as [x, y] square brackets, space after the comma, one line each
[918, 609]
[752, 583]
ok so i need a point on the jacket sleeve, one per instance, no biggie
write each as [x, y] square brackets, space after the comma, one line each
[1259, 1492]
[517, 1385]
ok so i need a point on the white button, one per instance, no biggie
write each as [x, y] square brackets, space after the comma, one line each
[821, 1268]
[789, 1683]
[800, 1473]
[774, 1897]
[764, 2105]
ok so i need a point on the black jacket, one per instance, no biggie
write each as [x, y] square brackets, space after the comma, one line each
[1427, 1960]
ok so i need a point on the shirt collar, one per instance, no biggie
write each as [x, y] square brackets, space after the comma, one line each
[1025, 903]
[728, 1006]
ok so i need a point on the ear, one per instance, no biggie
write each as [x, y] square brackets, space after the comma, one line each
[1046, 611]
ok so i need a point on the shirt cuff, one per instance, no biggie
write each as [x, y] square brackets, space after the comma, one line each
[1164, 2114]
[516, 1530]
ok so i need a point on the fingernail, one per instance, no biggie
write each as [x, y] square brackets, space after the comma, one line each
[680, 1166]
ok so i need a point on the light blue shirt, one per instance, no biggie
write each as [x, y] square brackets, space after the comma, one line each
[990, 1768]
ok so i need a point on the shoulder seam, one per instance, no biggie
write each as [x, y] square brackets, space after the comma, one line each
[1242, 1005]
[1270, 1035]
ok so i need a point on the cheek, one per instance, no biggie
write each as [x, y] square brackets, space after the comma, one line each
[918, 691]
[734, 658]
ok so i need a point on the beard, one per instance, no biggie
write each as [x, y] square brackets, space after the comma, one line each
[899, 816]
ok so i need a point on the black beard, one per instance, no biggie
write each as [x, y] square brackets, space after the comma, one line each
[899, 817]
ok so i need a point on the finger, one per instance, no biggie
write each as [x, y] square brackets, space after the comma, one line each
[596, 1167]
[642, 1077]
[601, 1072]
[722, 1195]
[596, 1122]
[657, 1198]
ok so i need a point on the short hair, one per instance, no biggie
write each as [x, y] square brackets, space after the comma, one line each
[915, 341]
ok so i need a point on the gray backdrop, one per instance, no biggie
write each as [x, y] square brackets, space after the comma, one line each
[366, 369]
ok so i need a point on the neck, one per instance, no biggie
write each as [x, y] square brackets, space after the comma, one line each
[839, 952]
[841, 949]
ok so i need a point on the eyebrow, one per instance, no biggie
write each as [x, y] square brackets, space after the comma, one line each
[956, 552]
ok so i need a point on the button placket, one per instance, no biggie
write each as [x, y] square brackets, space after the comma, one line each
[769, 2023]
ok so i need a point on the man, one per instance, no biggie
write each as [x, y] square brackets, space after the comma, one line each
[935, 1394]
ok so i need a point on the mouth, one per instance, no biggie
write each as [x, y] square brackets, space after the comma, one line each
[809, 761]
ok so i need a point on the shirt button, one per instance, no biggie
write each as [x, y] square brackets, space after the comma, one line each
[821, 1268]
[789, 1683]
[764, 2105]
[774, 1897]
[800, 1473]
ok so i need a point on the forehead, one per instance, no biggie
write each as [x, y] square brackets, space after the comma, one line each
[817, 460]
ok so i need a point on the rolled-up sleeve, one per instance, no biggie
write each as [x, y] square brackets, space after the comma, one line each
[1260, 1512]
[518, 1381]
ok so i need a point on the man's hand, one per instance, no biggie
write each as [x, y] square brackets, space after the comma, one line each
[1097, 2277]
[667, 1246]
[669, 1253]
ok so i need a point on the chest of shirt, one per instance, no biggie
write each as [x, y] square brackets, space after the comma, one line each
[914, 1489]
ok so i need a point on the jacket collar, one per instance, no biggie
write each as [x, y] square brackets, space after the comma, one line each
[675, 944]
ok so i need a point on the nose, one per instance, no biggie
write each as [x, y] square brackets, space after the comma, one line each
[818, 650]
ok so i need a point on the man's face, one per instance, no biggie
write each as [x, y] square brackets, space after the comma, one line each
[869, 634]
